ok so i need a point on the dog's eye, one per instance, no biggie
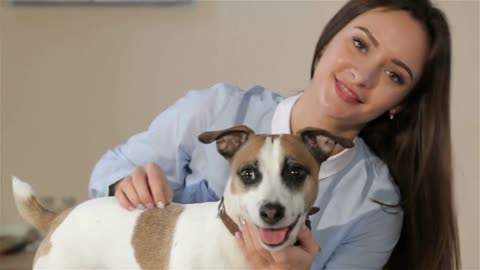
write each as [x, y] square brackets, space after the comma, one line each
[247, 174]
[250, 175]
[294, 173]
[297, 172]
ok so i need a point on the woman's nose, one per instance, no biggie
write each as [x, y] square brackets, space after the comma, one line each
[366, 74]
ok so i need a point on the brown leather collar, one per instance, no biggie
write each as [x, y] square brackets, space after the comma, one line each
[227, 221]
[233, 227]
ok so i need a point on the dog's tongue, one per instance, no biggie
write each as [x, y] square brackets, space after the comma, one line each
[273, 237]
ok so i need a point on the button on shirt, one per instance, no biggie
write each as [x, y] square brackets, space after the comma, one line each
[353, 231]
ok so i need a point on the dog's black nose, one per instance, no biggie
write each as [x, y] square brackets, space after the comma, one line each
[271, 213]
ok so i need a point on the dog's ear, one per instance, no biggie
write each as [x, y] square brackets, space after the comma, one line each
[228, 140]
[321, 142]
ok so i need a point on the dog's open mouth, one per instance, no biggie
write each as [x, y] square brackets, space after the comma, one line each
[276, 236]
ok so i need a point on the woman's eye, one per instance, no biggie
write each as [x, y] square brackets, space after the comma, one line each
[395, 77]
[359, 44]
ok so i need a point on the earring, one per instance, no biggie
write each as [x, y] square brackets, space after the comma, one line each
[392, 115]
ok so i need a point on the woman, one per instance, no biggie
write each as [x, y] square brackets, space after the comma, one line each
[380, 75]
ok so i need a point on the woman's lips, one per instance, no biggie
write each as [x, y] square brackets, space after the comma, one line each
[345, 93]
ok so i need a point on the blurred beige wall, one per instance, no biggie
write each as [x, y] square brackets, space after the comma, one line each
[77, 80]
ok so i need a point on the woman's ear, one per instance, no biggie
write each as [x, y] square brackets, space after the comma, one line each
[396, 109]
[393, 111]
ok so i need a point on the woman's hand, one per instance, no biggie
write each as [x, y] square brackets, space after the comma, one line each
[294, 257]
[146, 186]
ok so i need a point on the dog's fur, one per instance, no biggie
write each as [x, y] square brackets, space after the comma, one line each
[266, 170]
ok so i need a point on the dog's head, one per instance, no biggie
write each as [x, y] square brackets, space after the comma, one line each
[274, 178]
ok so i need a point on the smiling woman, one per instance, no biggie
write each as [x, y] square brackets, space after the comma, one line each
[379, 77]
[407, 137]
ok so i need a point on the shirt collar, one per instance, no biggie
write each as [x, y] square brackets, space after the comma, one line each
[281, 125]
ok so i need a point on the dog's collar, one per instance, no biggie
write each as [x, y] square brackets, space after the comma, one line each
[227, 221]
[233, 227]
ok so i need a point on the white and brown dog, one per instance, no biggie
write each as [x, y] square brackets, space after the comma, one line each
[273, 184]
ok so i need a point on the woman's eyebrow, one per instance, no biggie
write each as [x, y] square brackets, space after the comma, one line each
[375, 43]
[369, 34]
[402, 65]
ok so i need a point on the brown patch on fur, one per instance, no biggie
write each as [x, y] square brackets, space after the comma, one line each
[248, 152]
[46, 244]
[294, 148]
[153, 235]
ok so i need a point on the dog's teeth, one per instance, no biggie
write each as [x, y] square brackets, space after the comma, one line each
[160, 205]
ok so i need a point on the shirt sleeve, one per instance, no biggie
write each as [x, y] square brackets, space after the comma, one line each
[168, 141]
[370, 243]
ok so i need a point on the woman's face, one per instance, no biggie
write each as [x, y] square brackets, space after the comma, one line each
[369, 66]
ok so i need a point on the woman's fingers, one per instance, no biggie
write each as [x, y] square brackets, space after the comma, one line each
[159, 187]
[139, 181]
[146, 186]
[124, 202]
[167, 191]
[255, 237]
[127, 188]
[249, 243]
[307, 241]
[241, 244]
[247, 238]
[248, 250]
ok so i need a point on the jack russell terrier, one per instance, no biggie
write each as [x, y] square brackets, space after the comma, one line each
[273, 184]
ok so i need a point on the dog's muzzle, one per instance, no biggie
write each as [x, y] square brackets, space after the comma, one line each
[272, 213]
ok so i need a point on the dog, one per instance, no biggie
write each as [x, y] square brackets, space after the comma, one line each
[273, 184]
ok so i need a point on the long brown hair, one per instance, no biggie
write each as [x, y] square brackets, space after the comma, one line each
[416, 145]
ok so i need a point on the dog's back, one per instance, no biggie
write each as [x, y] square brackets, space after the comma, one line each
[98, 233]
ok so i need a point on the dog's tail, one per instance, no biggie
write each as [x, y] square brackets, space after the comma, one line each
[29, 207]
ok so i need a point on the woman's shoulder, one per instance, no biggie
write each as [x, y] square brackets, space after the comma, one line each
[371, 160]
[374, 175]
[362, 190]
[225, 104]
[225, 90]
[362, 181]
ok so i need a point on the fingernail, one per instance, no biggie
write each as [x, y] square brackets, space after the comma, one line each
[160, 205]
[130, 208]
[242, 221]
[141, 207]
[150, 205]
[303, 227]
[237, 235]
